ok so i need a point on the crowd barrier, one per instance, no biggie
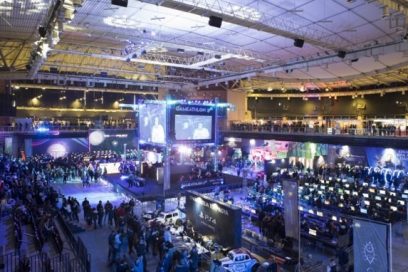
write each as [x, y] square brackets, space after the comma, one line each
[81, 252]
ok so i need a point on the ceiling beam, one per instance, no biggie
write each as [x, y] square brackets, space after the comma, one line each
[50, 87]
[381, 91]
[317, 62]
[220, 9]
[17, 55]
[3, 59]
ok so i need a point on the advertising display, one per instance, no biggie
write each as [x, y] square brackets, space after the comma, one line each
[112, 139]
[215, 219]
[152, 123]
[59, 147]
[111, 167]
[371, 246]
[192, 123]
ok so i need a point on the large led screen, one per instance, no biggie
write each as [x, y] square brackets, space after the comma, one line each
[193, 127]
[152, 123]
[192, 123]
[59, 147]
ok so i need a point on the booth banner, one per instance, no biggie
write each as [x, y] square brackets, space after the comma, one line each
[111, 167]
[220, 221]
[371, 246]
[202, 183]
[387, 157]
[291, 212]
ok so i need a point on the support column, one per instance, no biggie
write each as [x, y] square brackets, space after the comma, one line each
[239, 100]
[162, 93]
[7, 106]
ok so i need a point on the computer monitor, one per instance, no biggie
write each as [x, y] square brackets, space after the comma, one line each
[334, 218]
[355, 193]
[340, 191]
[393, 208]
[307, 184]
[382, 192]
[366, 202]
[319, 192]
[378, 198]
[326, 202]
[352, 208]
[404, 196]
[363, 211]
[401, 202]
[307, 197]
[319, 214]
[371, 190]
[365, 195]
[378, 205]
[323, 187]
[341, 205]
[405, 191]
[347, 192]
[322, 181]
[312, 232]
[392, 194]
[331, 189]
[311, 211]
[347, 185]
[365, 184]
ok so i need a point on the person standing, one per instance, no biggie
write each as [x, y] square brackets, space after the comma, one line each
[99, 209]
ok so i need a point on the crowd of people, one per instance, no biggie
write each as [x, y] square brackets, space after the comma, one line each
[29, 124]
[373, 129]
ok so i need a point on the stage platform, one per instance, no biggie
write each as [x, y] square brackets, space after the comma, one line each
[152, 190]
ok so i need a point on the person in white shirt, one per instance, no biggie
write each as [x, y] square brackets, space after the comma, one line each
[201, 133]
[157, 135]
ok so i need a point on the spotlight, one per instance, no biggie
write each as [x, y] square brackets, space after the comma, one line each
[298, 43]
[120, 3]
[42, 30]
[215, 21]
[341, 54]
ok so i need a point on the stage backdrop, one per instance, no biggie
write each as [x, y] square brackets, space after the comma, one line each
[371, 246]
[59, 147]
[112, 139]
[210, 217]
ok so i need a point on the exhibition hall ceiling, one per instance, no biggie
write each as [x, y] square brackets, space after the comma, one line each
[172, 41]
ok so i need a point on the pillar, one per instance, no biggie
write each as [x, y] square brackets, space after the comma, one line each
[239, 100]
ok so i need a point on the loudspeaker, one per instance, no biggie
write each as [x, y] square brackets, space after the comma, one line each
[298, 43]
[215, 21]
[341, 54]
[121, 3]
[42, 31]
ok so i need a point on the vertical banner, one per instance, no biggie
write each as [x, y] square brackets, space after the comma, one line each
[371, 246]
[291, 212]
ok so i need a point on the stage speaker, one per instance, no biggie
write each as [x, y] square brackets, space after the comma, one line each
[215, 21]
[42, 31]
[120, 3]
[298, 43]
[341, 54]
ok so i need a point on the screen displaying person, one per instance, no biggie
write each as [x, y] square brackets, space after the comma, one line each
[201, 133]
[185, 132]
[157, 133]
[145, 129]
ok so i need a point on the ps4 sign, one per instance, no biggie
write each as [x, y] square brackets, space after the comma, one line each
[211, 217]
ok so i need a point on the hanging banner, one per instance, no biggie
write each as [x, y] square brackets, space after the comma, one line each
[371, 246]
